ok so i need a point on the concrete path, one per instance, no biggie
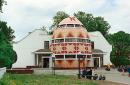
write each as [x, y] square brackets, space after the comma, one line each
[115, 76]
[112, 75]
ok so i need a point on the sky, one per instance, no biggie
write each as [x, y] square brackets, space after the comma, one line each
[26, 15]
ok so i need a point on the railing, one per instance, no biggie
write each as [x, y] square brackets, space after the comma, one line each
[71, 40]
[2, 71]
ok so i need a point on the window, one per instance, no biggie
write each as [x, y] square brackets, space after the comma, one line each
[52, 41]
[70, 25]
[59, 56]
[88, 56]
[89, 41]
[59, 40]
[92, 45]
[76, 40]
[80, 40]
[62, 26]
[46, 44]
[69, 56]
[68, 40]
[77, 25]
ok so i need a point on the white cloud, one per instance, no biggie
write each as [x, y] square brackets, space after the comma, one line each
[119, 16]
[25, 15]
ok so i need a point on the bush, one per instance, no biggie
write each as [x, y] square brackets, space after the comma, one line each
[120, 60]
[7, 55]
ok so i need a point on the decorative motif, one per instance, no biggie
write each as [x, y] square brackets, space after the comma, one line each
[87, 36]
[85, 44]
[81, 43]
[54, 48]
[72, 18]
[62, 44]
[86, 48]
[58, 52]
[64, 48]
[82, 52]
[74, 44]
[81, 35]
[70, 43]
[74, 51]
[70, 34]
[76, 48]
[70, 52]
[65, 44]
[59, 35]
[70, 61]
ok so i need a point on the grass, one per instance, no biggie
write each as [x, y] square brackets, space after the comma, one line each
[21, 79]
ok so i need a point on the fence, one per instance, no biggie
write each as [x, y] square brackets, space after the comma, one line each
[2, 71]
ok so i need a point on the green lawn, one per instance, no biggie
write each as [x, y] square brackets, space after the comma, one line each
[20, 79]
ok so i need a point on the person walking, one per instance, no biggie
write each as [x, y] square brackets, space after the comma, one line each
[89, 74]
[128, 69]
[84, 72]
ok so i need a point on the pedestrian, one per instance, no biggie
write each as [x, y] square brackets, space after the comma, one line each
[89, 74]
[84, 72]
[128, 68]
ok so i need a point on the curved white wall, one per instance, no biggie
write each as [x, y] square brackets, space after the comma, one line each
[28, 45]
[102, 44]
[35, 41]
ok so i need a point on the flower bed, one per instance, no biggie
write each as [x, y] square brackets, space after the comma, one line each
[20, 71]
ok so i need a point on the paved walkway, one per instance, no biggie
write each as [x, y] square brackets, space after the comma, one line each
[115, 76]
[112, 75]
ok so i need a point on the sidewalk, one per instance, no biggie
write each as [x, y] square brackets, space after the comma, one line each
[114, 76]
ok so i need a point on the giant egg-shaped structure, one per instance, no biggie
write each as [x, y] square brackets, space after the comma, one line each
[70, 41]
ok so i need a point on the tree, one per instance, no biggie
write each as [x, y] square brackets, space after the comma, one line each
[120, 42]
[7, 31]
[1, 4]
[92, 23]
[7, 55]
[121, 47]
[60, 15]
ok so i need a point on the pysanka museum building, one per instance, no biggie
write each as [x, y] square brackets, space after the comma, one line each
[69, 45]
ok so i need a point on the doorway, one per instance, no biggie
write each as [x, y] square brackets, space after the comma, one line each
[45, 62]
[96, 62]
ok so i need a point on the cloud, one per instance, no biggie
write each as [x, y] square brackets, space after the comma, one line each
[26, 15]
[118, 16]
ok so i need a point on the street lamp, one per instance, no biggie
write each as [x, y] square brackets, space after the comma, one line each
[79, 53]
[53, 66]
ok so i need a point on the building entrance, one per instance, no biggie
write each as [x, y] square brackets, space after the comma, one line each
[96, 62]
[45, 62]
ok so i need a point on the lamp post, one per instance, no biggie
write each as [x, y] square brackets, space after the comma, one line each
[53, 60]
[79, 73]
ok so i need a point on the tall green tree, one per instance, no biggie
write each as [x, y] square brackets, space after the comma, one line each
[7, 55]
[7, 31]
[120, 42]
[92, 23]
[121, 47]
[60, 15]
